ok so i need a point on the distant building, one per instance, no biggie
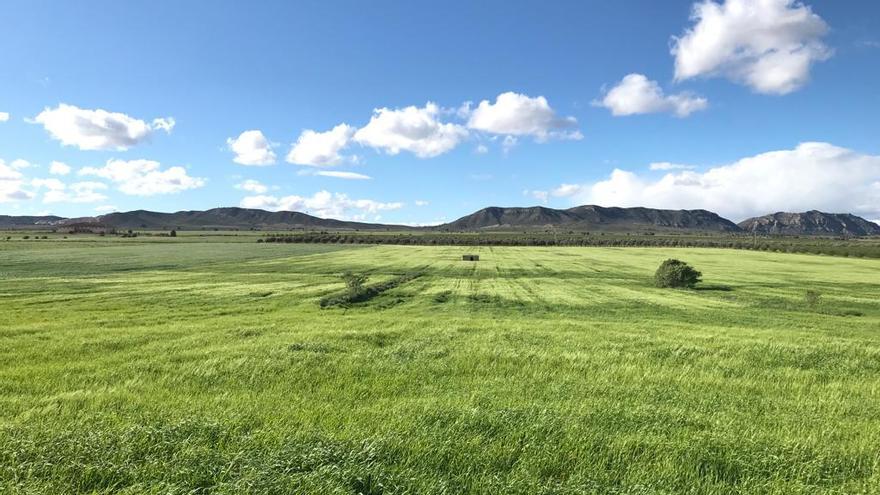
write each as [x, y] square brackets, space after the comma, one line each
[470, 257]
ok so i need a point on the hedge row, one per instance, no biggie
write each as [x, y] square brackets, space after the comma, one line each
[368, 292]
[832, 247]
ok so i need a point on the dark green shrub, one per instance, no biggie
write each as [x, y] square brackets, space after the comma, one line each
[676, 274]
[354, 282]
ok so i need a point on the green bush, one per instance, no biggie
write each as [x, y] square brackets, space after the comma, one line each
[354, 282]
[676, 274]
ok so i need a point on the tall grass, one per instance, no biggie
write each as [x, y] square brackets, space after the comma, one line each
[187, 367]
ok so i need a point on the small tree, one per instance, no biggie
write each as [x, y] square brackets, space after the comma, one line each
[354, 282]
[173, 233]
[676, 274]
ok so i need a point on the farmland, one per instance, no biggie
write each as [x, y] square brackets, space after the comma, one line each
[206, 365]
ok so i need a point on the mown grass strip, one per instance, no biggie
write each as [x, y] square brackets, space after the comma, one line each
[368, 292]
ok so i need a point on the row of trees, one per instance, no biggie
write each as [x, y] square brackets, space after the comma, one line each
[832, 247]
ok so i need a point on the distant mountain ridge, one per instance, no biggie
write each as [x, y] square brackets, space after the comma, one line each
[591, 217]
[810, 223]
[579, 218]
[232, 217]
[216, 218]
[28, 221]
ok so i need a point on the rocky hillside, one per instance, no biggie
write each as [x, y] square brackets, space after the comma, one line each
[810, 223]
[591, 217]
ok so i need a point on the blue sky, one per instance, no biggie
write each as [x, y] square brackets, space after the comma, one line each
[744, 106]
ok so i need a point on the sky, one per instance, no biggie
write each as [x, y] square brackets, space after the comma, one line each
[421, 112]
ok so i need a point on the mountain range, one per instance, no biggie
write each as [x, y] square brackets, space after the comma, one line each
[579, 218]
[591, 217]
[810, 223]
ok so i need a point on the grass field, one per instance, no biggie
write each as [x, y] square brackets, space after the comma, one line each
[172, 366]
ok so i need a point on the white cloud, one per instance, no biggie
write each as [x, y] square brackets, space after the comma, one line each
[420, 202]
[768, 45]
[669, 166]
[542, 196]
[636, 94]
[9, 172]
[4, 116]
[343, 175]
[51, 184]
[508, 143]
[144, 177]
[566, 190]
[322, 204]
[515, 114]
[412, 129]
[251, 148]
[165, 124]
[253, 186]
[321, 149]
[106, 209]
[563, 191]
[481, 149]
[12, 184]
[817, 176]
[19, 164]
[78, 192]
[59, 168]
[98, 129]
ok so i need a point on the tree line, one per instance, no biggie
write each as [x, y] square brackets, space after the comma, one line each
[862, 248]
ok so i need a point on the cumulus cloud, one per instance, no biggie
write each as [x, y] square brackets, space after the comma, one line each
[253, 186]
[421, 202]
[251, 148]
[98, 129]
[769, 45]
[78, 192]
[321, 149]
[4, 116]
[322, 204]
[636, 94]
[59, 168]
[144, 177]
[343, 175]
[12, 184]
[811, 176]
[516, 114]
[563, 191]
[413, 129]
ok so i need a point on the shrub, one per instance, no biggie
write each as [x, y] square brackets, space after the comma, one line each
[676, 274]
[173, 233]
[354, 282]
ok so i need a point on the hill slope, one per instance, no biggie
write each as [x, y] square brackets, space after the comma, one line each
[810, 223]
[240, 218]
[217, 218]
[590, 217]
[27, 221]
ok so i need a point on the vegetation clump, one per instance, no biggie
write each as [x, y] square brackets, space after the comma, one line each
[812, 298]
[677, 274]
[357, 290]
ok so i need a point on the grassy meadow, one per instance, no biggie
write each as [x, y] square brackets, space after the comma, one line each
[205, 365]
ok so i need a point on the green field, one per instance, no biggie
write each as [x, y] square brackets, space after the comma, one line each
[205, 366]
